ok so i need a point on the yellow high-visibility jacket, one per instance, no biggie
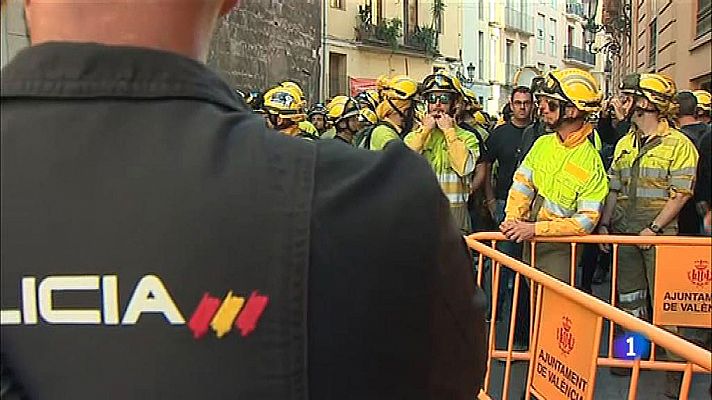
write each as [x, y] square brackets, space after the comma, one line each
[571, 179]
[384, 133]
[649, 174]
[308, 127]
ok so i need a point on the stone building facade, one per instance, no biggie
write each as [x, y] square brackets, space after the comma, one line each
[265, 42]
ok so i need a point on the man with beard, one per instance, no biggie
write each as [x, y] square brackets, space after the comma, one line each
[652, 177]
[560, 186]
[451, 151]
[317, 117]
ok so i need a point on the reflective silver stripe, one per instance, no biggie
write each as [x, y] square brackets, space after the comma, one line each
[640, 312]
[615, 184]
[456, 198]
[585, 222]
[557, 209]
[449, 178]
[588, 205]
[633, 296]
[681, 183]
[522, 188]
[684, 171]
[470, 164]
[624, 172]
[525, 171]
[652, 193]
[653, 172]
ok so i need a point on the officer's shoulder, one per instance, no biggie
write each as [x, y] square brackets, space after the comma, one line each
[394, 173]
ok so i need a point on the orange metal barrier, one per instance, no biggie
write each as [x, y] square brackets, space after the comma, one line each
[697, 359]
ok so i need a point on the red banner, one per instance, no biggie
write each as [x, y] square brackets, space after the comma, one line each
[357, 85]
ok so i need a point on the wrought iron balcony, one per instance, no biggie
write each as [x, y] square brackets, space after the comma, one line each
[575, 9]
[509, 72]
[518, 21]
[577, 54]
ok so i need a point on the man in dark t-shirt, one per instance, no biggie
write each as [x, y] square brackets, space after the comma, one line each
[689, 220]
[503, 146]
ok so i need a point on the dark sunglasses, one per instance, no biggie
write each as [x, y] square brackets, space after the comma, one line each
[443, 98]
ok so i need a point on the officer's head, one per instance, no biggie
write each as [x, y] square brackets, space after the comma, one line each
[568, 95]
[180, 26]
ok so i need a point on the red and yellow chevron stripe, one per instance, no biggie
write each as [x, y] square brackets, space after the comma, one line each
[221, 316]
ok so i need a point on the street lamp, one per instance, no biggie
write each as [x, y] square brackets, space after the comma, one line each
[471, 72]
[615, 27]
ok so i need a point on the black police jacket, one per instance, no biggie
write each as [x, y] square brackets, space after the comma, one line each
[158, 242]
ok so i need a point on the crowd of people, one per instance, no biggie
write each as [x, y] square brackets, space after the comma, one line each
[161, 240]
[561, 160]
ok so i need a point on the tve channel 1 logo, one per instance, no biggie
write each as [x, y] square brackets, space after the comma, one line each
[631, 346]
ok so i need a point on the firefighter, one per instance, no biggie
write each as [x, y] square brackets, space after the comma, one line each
[450, 150]
[396, 112]
[283, 111]
[305, 125]
[343, 115]
[652, 177]
[560, 186]
[317, 117]
[704, 106]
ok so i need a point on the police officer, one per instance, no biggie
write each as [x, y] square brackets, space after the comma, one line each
[561, 185]
[158, 241]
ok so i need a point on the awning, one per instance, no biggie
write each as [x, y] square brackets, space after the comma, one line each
[357, 85]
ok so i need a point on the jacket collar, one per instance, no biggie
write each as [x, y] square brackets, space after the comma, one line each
[89, 71]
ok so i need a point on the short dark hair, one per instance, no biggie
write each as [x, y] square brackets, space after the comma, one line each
[521, 89]
[687, 102]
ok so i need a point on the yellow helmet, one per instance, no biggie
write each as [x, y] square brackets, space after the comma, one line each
[284, 102]
[471, 98]
[442, 81]
[481, 119]
[341, 107]
[659, 89]
[572, 85]
[704, 99]
[368, 98]
[297, 89]
[400, 87]
[397, 96]
[367, 115]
